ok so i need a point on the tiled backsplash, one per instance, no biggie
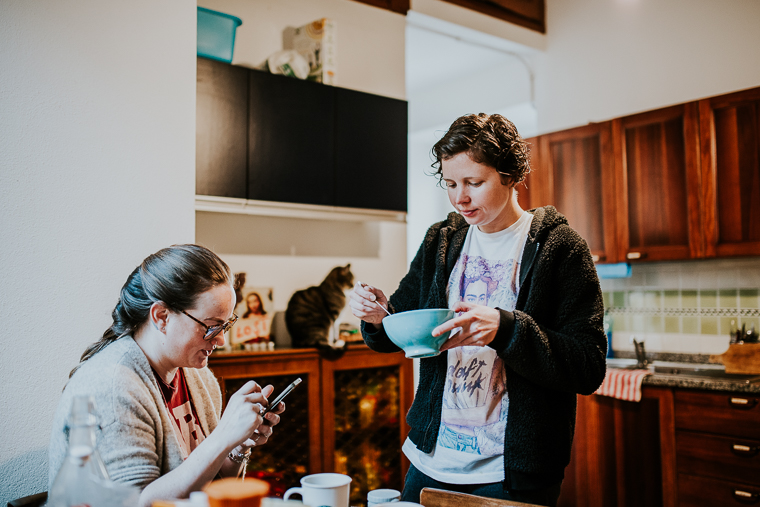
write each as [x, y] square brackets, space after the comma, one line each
[684, 307]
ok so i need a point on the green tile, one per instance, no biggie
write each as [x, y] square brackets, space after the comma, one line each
[670, 299]
[652, 299]
[618, 299]
[689, 299]
[709, 325]
[607, 298]
[708, 299]
[727, 298]
[636, 299]
[727, 324]
[621, 322]
[690, 325]
[672, 325]
[637, 323]
[748, 298]
[653, 324]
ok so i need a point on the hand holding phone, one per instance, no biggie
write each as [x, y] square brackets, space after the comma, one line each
[273, 404]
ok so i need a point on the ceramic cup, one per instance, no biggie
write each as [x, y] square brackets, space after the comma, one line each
[317, 490]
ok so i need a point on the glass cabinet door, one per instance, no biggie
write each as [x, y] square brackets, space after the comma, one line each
[367, 396]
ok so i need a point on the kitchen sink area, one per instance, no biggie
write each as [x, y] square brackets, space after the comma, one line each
[686, 371]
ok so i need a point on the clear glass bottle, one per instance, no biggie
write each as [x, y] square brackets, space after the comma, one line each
[83, 471]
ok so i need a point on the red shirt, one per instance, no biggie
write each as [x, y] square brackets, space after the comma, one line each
[180, 405]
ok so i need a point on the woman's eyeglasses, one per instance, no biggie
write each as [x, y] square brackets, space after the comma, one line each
[212, 331]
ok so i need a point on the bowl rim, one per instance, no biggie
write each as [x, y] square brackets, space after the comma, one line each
[421, 310]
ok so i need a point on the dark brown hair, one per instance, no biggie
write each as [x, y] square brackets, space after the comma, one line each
[488, 139]
[176, 275]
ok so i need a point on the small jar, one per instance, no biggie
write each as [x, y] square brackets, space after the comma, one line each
[379, 496]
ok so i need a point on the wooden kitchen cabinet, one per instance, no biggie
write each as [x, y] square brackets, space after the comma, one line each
[528, 13]
[578, 175]
[348, 416]
[291, 140]
[730, 158]
[221, 129]
[717, 448]
[370, 156]
[623, 452]
[658, 184]
[534, 191]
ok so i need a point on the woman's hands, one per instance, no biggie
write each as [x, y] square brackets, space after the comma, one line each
[478, 324]
[363, 301]
[242, 417]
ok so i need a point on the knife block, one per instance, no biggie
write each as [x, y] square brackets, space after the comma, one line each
[740, 358]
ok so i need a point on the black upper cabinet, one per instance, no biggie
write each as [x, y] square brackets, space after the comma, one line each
[370, 151]
[291, 138]
[274, 138]
[221, 129]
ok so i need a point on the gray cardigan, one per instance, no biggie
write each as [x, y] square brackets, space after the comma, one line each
[138, 442]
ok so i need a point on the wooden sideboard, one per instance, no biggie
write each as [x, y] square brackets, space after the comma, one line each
[348, 415]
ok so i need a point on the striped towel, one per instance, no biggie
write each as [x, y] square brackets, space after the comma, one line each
[623, 384]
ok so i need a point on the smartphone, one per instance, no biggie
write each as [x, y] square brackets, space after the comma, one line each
[282, 395]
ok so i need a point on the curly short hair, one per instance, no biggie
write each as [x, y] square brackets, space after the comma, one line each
[488, 139]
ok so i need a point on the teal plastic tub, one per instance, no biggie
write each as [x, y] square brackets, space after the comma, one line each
[216, 34]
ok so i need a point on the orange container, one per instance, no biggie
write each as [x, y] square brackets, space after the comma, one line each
[231, 492]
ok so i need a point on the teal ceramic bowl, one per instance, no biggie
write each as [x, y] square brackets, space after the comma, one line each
[412, 331]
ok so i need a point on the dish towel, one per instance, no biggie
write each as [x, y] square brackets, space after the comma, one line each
[623, 384]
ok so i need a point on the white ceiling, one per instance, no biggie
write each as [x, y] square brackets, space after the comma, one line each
[437, 50]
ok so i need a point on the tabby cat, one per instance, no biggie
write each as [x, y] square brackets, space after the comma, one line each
[312, 311]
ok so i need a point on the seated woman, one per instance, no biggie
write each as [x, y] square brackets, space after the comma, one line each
[159, 405]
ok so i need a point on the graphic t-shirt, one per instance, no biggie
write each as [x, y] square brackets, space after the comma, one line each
[177, 398]
[470, 444]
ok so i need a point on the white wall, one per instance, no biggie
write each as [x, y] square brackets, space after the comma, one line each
[370, 41]
[370, 56]
[609, 58]
[97, 162]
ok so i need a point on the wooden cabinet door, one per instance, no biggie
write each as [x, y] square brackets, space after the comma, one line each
[527, 13]
[365, 398]
[291, 140]
[295, 448]
[730, 150]
[535, 190]
[657, 180]
[582, 187]
[370, 151]
[221, 129]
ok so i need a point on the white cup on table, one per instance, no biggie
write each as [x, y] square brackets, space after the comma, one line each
[327, 489]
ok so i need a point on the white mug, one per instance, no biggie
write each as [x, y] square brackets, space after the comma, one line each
[317, 490]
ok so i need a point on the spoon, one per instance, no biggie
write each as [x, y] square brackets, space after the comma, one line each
[384, 308]
[376, 301]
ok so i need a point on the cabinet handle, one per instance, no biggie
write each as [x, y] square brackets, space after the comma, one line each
[744, 451]
[742, 403]
[746, 496]
[635, 255]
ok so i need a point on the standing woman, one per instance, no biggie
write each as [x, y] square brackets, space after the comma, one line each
[159, 404]
[494, 414]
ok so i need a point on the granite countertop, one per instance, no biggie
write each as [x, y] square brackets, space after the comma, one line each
[684, 380]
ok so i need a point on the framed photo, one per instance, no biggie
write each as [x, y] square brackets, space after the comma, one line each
[255, 312]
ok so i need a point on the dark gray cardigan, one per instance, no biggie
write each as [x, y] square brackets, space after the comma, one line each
[553, 345]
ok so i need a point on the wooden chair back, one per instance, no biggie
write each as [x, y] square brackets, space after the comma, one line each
[430, 497]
